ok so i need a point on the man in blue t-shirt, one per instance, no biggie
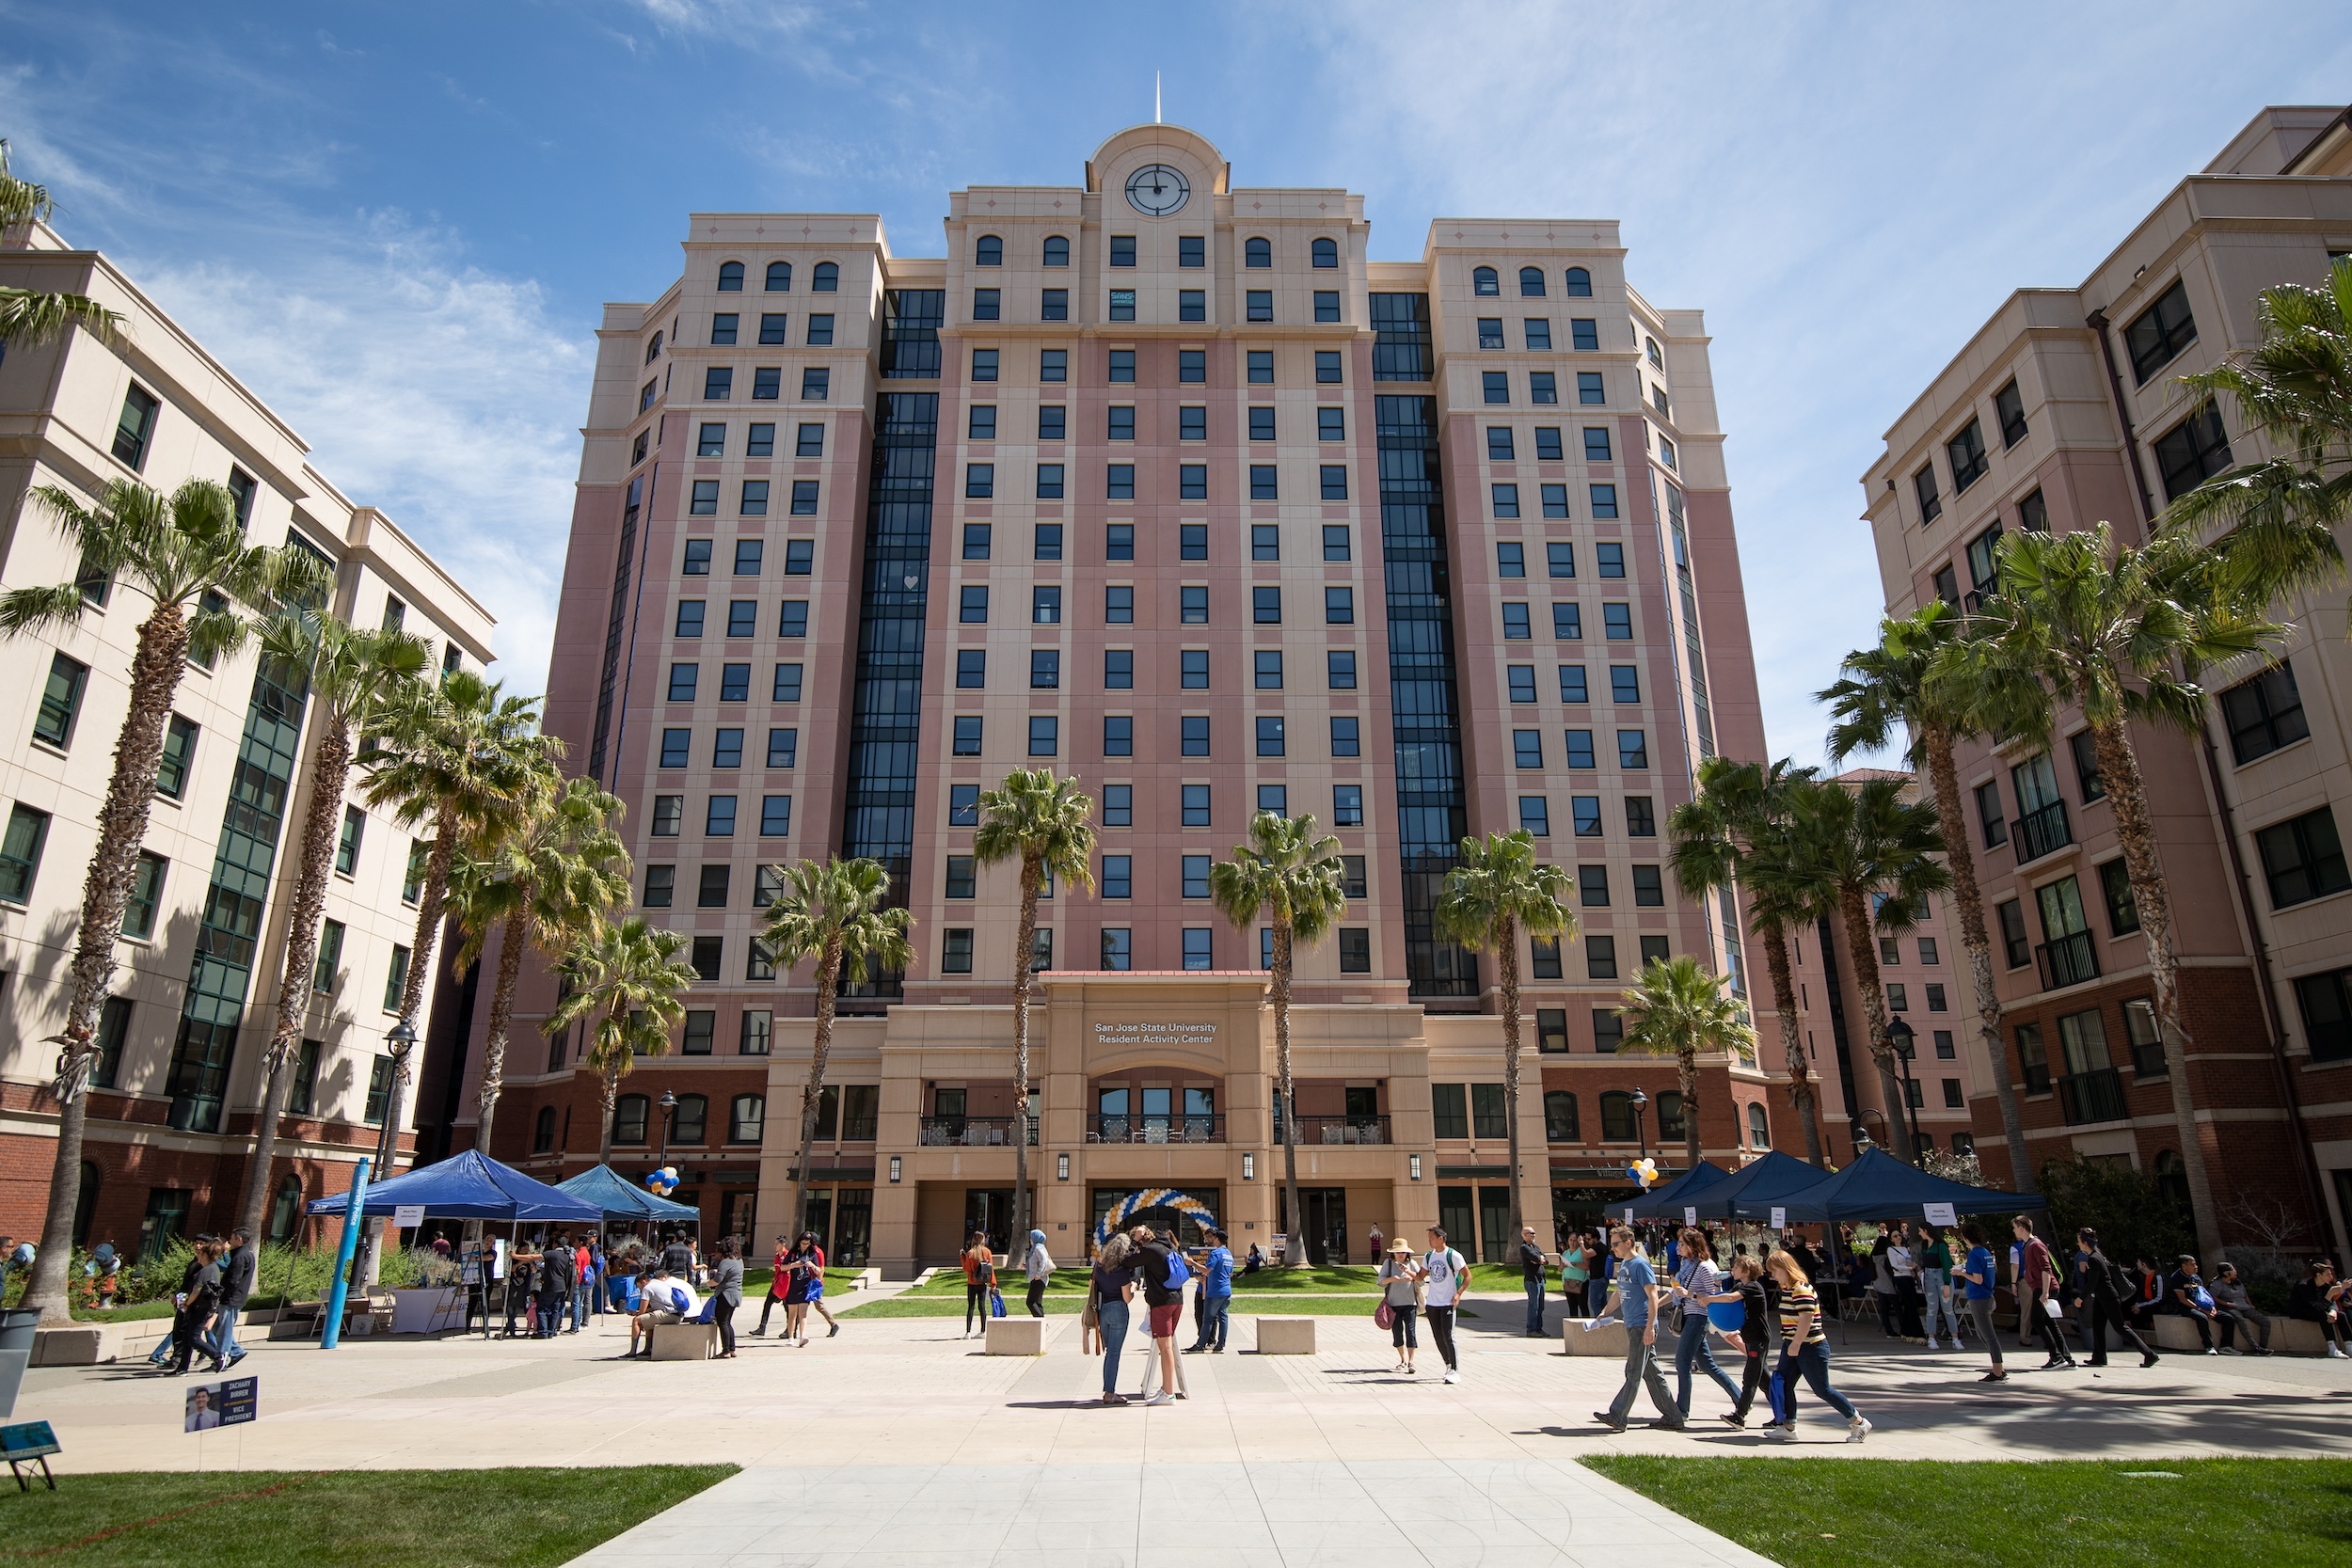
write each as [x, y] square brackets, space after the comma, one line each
[1635, 1289]
[1215, 1303]
[1975, 1274]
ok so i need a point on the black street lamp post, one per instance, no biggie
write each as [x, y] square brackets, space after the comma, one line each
[1641, 1103]
[1905, 1041]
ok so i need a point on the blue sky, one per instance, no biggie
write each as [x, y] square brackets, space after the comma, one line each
[398, 222]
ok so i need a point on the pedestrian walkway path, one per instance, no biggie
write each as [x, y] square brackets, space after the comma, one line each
[1174, 1513]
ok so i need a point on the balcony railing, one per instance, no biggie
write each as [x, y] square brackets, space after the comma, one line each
[1156, 1130]
[971, 1132]
[2093, 1096]
[2041, 832]
[1341, 1129]
[2067, 962]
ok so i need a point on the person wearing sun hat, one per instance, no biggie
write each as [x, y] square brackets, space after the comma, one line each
[1400, 1287]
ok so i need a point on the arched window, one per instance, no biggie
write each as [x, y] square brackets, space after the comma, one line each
[1760, 1131]
[543, 1130]
[779, 277]
[989, 252]
[1616, 1116]
[1057, 252]
[1532, 283]
[1655, 357]
[1327, 253]
[1483, 282]
[693, 1120]
[86, 1206]
[1560, 1118]
[628, 1118]
[1669, 1115]
[826, 279]
[730, 278]
[1257, 252]
[746, 1115]
[1964, 1143]
[1580, 283]
[653, 348]
[285, 1210]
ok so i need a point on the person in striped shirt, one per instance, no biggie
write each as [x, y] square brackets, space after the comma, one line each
[1804, 1348]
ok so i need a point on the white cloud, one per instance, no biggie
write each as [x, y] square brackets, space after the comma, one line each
[428, 389]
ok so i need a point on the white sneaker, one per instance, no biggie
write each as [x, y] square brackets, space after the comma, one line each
[1857, 1429]
[1784, 1433]
[1398, 1368]
[2210, 1350]
[2335, 1355]
[1933, 1345]
[1453, 1376]
[1163, 1397]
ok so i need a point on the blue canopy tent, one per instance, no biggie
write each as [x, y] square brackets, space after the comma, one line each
[1667, 1202]
[1879, 1186]
[471, 1186]
[623, 1200]
[1761, 1185]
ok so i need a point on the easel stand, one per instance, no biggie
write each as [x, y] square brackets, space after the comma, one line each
[15, 1469]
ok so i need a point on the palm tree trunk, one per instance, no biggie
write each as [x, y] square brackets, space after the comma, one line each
[1686, 1069]
[820, 1047]
[1296, 1250]
[511, 944]
[1791, 1047]
[155, 673]
[1853, 911]
[1032, 881]
[1507, 973]
[2127, 792]
[429, 904]
[612, 1100]
[330, 768]
[1976, 943]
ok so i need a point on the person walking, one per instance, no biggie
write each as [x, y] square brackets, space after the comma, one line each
[805, 1278]
[1936, 1283]
[1214, 1304]
[816, 1285]
[779, 1283]
[1164, 1276]
[2103, 1287]
[2238, 1313]
[1447, 1278]
[1746, 1287]
[1804, 1349]
[1574, 1273]
[1400, 1287]
[1113, 1288]
[197, 1306]
[2038, 1291]
[2319, 1298]
[1532, 1266]
[727, 1292]
[1903, 1263]
[1634, 1287]
[1379, 1245]
[979, 1278]
[1697, 1282]
[236, 1287]
[1039, 1269]
[1975, 1274]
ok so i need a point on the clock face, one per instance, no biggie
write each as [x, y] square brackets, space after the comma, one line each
[1156, 190]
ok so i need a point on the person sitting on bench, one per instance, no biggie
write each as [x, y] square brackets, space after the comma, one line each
[665, 1301]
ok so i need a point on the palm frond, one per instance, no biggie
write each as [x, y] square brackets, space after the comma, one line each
[30, 316]
[40, 611]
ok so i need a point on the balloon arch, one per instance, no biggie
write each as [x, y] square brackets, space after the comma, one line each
[1150, 1198]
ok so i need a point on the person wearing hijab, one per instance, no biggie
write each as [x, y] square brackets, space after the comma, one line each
[1041, 1269]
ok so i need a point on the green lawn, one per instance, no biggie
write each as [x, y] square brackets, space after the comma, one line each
[2066, 1514]
[385, 1519]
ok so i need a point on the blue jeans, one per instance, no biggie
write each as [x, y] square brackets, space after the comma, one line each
[580, 1292]
[1113, 1315]
[1215, 1313]
[1691, 1350]
[220, 1341]
[1535, 1306]
[1813, 1361]
[1938, 1288]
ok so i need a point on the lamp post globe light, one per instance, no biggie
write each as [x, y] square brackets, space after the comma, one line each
[1641, 1103]
[669, 1110]
[1904, 1041]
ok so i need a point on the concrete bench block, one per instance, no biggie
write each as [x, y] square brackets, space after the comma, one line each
[1286, 1335]
[1607, 1340]
[2175, 1332]
[1016, 1336]
[78, 1345]
[685, 1341]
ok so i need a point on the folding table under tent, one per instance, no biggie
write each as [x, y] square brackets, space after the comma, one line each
[1879, 1186]
[1668, 1202]
[470, 1186]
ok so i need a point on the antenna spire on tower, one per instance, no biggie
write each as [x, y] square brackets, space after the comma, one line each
[1156, 98]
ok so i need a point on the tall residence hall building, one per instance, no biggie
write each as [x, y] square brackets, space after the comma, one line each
[2065, 411]
[178, 1085]
[1163, 483]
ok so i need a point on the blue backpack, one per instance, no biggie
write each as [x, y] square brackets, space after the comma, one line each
[1178, 1271]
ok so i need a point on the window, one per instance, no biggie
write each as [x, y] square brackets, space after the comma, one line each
[1617, 622]
[1632, 750]
[1936, 998]
[1588, 388]
[1600, 957]
[1579, 749]
[1967, 452]
[1490, 332]
[1122, 305]
[135, 427]
[1195, 804]
[1053, 364]
[1625, 684]
[1119, 668]
[2192, 451]
[1345, 739]
[1608, 1032]
[2159, 333]
[1544, 957]
[713, 442]
[784, 747]
[1604, 503]
[412, 879]
[660, 885]
[1923, 485]
[669, 813]
[1049, 481]
[979, 483]
[1193, 667]
[825, 278]
[1515, 623]
[2303, 858]
[1327, 305]
[1192, 485]
[60, 700]
[2263, 713]
[1197, 949]
[709, 954]
[1483, 282]
[1538, 333]
[1053, 305]
[1347, 805]
[347, 845]
[984, 364]
[816, 384]
[775, 815]
[1057, 252]
[1989, 816]
[630, 1115]
[718, 384]
[787, 684]
[1448, 1106]
[2326, 1003]
[1641, 821]
[723, 329]
[1505, 501]
[1584, 813]
[1542, 387]
[1592, 886]
[1268, 663]
[772, 328]
[2086, 766]
[1044, 669]
[1927, 951]
[1119, 542]
[1520, 680]
[1260, 369]
[963, 804]
[1118, 734]
[1567, 623]
[1269, 735]
[1572, 688]
[1527, 750]
[1496, 385]
[145, 897]
[2115, 883]
[1258, 305]
[395, 979]
[792, 618]
[719, 818]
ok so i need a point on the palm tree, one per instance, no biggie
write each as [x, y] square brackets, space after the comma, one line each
[1678, 1009]
[1865, 845]
[1728, 838]
[2092, 624]
[1293, 878]
[1041, 821]
[460, 757]
[542, 884]
[1896, 684]
[2279, 516]
[352, 677]
[629, 976]
[173, 553]
[26, 315]
[836, 913]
